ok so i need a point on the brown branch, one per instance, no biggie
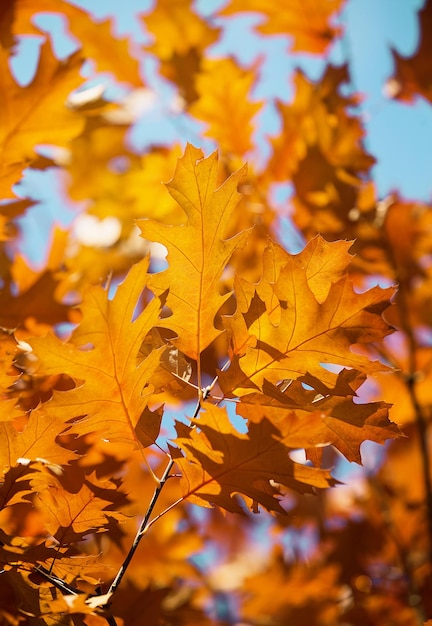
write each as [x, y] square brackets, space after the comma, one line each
[146, 522]
[421, 421]
[141, 530]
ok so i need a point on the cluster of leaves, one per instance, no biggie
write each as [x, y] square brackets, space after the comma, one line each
[230, 375]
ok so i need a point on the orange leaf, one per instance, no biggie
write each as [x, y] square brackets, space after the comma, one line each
[220, 463]
[96, 38]
[293, 331]
[36, 114]
[224, 104]
[70, 517]
[318, 419]
[102, 358]
[197, 250]
[180, 38]
[413, 75]
[307, 21]
[37, 442]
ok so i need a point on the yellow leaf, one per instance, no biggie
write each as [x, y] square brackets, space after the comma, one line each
[35, 114]
[224, 104]
[319, 419]
[308, 331]
[180, 38]
[307, 21]
[197, 250]
[96, 38]
[101, 357]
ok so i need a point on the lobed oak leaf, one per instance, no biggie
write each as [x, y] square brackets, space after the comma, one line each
[326, 160]
[307, 22]
[224, 103]
[69, 517]
[180, 38]
[220, 463]
[36, 114]
[318, 420]
[309, 332]
[323, 264]
[101, 357]
[35, 443]
[97, 39]
[197, 250]
[110, 53]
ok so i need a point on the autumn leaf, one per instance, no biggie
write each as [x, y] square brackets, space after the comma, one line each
[327, 162]
[11, 353]
[32, 116]
[307, 22]
[412, 75]
[36, 442]
[224, 103]
[180, 39]
[197, 250]
[320, 420]
[309, 333]
[9, 374]
[97, 38]
[221, 462]
[276, 351]
[101, 358]
[69, 517]
[27, 306]
[307, 592]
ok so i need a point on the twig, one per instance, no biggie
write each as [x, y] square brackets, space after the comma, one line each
[141, 530]
[67, 589]
[421, 421]
[146, 522]
[411, 379]
[423, 435]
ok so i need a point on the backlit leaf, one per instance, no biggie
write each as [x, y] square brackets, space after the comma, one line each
[309, 333]
[101, 357]
[33, 116]
[197, 250]
[220, 463]
[308, 22]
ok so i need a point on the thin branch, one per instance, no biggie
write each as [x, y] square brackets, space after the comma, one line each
[67, 589]
[146, 522]
[141, 530]
[421, 420]
[111, 620]
[424, 450]
[411, 380]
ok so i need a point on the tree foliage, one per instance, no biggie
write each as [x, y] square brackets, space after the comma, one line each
[182, 390]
